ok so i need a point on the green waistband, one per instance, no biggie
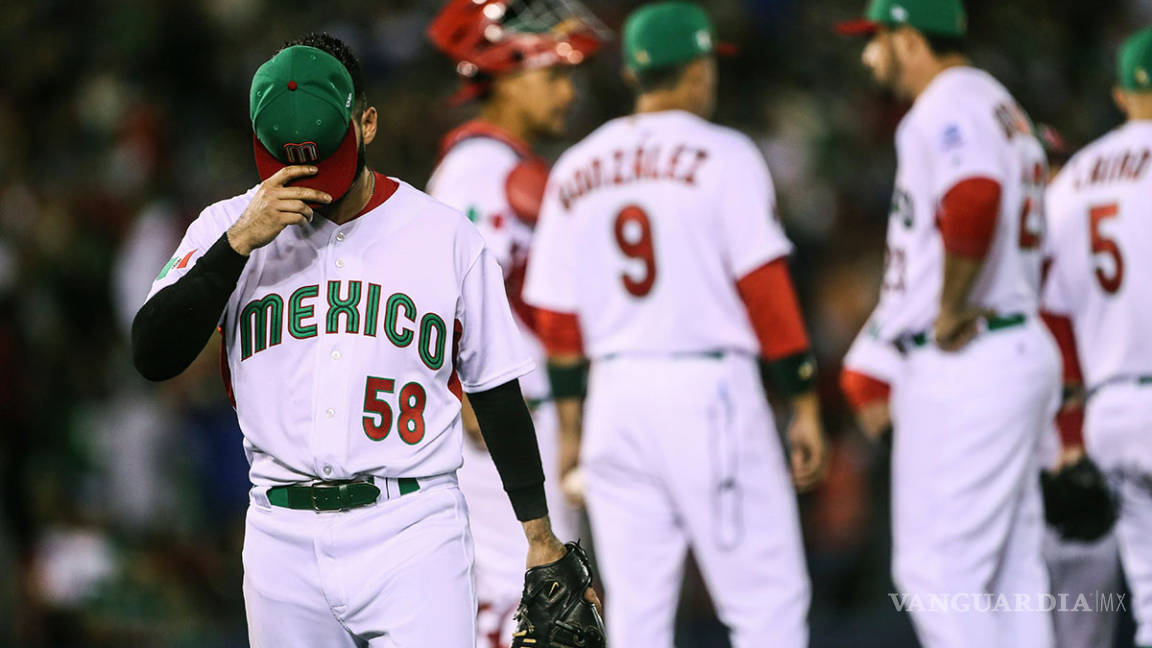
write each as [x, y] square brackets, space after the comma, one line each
[334, 495]
[994, 323]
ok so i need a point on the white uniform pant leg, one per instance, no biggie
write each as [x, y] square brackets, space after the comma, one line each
[394, 575]
[641, 545]
[680, 448]
[410, 581]
[1082, 568]
[965, 505]
[740, 509]
[1117, 426]
[284, 597]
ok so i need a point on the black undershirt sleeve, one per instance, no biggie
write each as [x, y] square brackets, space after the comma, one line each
[510, 436]
[171, 329]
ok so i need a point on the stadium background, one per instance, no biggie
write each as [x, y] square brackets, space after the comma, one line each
[123, 501]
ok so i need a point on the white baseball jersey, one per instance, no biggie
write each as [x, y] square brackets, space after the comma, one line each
[873, 357]
[964, 125]
[647, 225]
[471, 177]
[1100, 228]
[348, 345]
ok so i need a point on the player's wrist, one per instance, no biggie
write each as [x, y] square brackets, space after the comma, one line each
[237, 242]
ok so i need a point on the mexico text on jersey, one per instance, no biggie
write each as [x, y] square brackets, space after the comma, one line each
[349, 346]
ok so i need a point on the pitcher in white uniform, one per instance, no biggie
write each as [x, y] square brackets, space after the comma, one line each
[355, 312]
[522, 84]
[1099, 286]
[659, 257]
[979, 382]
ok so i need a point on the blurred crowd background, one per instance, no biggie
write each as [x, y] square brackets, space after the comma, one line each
[122, 501]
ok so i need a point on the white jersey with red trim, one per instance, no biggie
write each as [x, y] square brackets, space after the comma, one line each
[472, 177]
[647, 225]
[964, 125]
[1100, 229]
[348, 345]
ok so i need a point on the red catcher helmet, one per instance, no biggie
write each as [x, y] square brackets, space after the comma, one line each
[497, 36]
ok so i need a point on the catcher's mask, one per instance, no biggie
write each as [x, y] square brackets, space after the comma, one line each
[491, 37]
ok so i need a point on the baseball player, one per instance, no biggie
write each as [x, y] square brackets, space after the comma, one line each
[355, 312]
[658, 256]
[978, 383]
[1075, 567]
[488, 170]
[1098, 295]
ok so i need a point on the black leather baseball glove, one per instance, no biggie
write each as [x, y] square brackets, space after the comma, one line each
[1078, 501]
[553, 612]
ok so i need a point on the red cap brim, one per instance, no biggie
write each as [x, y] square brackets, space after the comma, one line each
[336, 172]
[859, 27]
[726, 50]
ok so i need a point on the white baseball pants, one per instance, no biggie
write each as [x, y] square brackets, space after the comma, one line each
[394, 575]
[1083, 568]
[967, 512]
[1118, 436]
[682, 452]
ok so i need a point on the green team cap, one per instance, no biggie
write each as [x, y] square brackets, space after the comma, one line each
[667, 33]
[936, 17]
[301, 110]
[1134, 67]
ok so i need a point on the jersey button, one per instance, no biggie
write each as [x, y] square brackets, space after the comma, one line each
[327, 470]
[339, 263]
[336, 354]
[330, 412]
[339, 236]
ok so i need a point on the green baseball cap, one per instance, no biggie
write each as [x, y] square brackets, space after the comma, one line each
[1134, 64]
[667, 33]
[301, 109]
[936, 17]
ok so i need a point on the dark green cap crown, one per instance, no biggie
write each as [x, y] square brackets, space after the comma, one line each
[667, 33]
[937, 17]
[302, 95]
[1134, 65]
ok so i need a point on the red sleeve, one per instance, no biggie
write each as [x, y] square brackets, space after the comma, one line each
[1061, 328]
[774, 310]
[560, 332]
[967, 218]
[861, 389]
[1070, 423]
[1070, 420]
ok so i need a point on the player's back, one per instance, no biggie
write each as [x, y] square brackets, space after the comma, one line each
[1100, 222]
[657, 216]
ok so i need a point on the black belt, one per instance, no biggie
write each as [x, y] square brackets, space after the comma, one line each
[1141, 380]
[337, 495]
[910, 341]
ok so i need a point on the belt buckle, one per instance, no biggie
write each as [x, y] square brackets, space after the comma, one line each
[322, 494]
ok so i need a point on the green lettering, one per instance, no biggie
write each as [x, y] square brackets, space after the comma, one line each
[297, 311]
[262, 318]
[373, 309]
[432, 352]
[347, 307]
[399, 337]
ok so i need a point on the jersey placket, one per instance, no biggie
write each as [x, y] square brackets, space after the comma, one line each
[329, 438]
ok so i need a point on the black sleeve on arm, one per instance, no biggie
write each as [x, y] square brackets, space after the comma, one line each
[171, 329]
[507, 428]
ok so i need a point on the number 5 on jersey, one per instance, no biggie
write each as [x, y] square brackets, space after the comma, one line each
[1102, 246]
[411, 419]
